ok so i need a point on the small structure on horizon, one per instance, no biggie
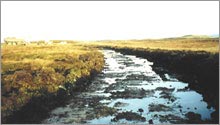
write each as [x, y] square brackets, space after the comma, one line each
[38, 42]
[59, 41]
[14, 41]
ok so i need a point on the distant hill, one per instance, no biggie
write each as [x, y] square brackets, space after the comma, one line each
[191, 37]
[196, 36]
[215, 36]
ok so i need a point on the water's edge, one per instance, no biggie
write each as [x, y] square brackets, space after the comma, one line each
[129, 91]
[39, 108]
[104, 100]
[200, 70]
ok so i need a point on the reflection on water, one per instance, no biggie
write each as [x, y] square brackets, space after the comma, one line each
[128, 84]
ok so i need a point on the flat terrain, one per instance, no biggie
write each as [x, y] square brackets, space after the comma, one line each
[36, 79]
[180, 44]
[34, 70]
[129, 91]
[193, 60]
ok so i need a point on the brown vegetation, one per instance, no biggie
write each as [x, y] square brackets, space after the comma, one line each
[33, 71]
[180, 44]
[193, 60]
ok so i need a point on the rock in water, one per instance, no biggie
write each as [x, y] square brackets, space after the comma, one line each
[150, 121]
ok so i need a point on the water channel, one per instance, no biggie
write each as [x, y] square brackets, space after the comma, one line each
[129, 91]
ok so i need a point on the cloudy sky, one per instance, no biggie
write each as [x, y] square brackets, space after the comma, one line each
[95, 20]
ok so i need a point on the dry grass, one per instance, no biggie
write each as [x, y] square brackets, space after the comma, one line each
[208, 45]
[35, 70]
[32, 70]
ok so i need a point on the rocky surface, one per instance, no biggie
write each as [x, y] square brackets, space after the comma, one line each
[198, 68]
[130, 91]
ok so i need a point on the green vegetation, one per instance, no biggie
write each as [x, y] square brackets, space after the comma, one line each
[33, 71]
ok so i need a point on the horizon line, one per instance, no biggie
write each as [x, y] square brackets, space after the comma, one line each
[147, 38]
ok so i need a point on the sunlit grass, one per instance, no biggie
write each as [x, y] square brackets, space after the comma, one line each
[35, 70]
[208, 45]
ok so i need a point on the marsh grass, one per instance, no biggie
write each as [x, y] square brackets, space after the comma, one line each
[180, 44]
[34, 70]
[38, 70]
[194, 60]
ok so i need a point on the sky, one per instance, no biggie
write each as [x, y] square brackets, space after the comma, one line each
[102, 20]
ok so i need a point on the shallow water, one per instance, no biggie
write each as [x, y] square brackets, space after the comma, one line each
[128, 84]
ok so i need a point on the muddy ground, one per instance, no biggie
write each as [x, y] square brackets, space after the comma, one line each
[130, 91]
[199, 69]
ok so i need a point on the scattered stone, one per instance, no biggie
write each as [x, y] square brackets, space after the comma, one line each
[132, 93]
[167, 95]
[172, 119]
[113, 75]
[183, 89]
[140, 77]
[209, 107]
[129, 116]
[128, 63]
[193, 117]
[158, 108]
[120, 104]
[179, 106]
[101, 111]
[140, 110]
[151, 121]
[128, 82]
[164, 89]
[121, 67]
[172, 99]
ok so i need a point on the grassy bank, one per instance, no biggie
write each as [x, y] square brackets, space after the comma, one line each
[33, 73]
[195, 61]
[172, 44]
